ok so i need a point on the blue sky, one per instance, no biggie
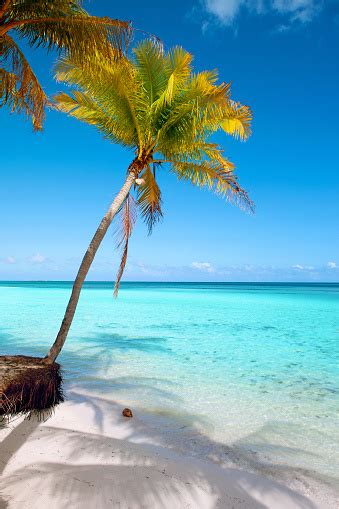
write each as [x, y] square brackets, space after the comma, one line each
[282, 59]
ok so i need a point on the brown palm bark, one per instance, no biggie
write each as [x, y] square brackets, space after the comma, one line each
[87, 262]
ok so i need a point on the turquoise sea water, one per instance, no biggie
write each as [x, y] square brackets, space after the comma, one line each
[253, 367]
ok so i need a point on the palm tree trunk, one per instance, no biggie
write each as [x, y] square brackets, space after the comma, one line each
[86, 264]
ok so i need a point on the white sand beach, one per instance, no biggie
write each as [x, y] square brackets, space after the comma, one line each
[87, 455]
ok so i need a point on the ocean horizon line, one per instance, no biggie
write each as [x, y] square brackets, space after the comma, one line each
[92, 281]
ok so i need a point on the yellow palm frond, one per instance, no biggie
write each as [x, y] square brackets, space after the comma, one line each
[237, 121]
[64, 25]
[54, 24]
[19, 87]
[215, 176]
[83, 106]
[111, 88]
[194, 110]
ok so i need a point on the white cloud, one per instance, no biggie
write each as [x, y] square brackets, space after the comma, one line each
[150, 271]
[203, 266]
[283, 28]
[300, 10]
[138, 270]
[38, 258]
[226, 11]
[303, 267]
[10, 260]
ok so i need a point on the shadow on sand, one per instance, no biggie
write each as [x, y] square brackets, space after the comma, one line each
[100, 471]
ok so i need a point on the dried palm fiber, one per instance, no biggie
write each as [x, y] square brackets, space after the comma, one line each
[27, 386]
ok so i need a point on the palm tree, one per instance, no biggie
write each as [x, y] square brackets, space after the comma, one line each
[53, 24]
[156, 106]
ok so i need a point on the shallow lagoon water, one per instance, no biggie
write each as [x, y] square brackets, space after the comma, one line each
[254, 367]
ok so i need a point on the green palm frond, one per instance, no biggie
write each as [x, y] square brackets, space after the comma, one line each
[19, 87]
[196, 111]
[151, 72]
[177, 70]
[149, 199]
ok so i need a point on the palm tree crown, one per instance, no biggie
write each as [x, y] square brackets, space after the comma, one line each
[165, 113]
[59, 24]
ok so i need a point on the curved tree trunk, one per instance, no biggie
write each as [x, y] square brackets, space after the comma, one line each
[85, 266]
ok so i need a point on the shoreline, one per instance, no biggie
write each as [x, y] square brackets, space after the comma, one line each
[87, 455]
